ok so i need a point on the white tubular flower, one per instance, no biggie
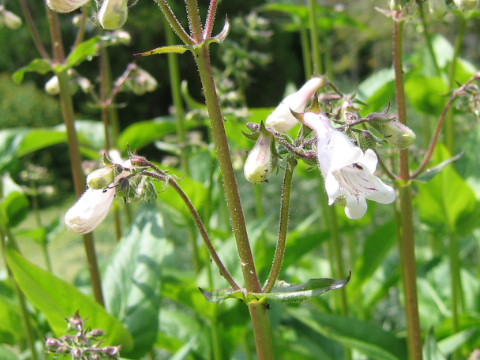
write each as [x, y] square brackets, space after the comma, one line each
[90, 210]
[65, 6]
[281, 119]
[113, 14]
[347, 170]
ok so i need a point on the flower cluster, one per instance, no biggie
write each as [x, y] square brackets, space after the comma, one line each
[348, 169]
[117, 179]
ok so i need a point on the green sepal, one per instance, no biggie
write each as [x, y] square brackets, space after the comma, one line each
[175, 49]
[222, 35]
[41, 66]
[284, 292]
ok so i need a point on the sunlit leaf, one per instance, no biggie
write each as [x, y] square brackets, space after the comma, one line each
[57, 300]
[83, 51]
[175, 49]
[14, 209]
[41, 66]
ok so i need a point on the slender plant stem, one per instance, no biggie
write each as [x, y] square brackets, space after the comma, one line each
[73, 148]
[449, 125]
[306, 54]
[194, 21]
[174, 23]
[282, 228]
[407, 242]
[198, 221]
[33, 30]
[455, 285]
[257, 192]
[81, 29]
[428, 36]
[315, 45]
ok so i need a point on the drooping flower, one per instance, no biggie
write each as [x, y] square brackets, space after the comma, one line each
[259, 163]
[347, 170]
[281, 119]
[90, 210]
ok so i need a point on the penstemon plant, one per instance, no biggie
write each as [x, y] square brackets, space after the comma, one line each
[362, 156]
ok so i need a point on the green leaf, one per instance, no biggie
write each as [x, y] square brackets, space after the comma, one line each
[447, 203]
[430, 348]
[83, 51]
[39, 235]
[132, 279]
[175, 49]
[6, 354]
[41, 66]
[57, 300]
[10, 323]
[282, 293]
[10, 141]
[377, 90]
[426, 94]
[450, 344]
[365, 337]
[14, 209]
[37, 139]
[143, 133]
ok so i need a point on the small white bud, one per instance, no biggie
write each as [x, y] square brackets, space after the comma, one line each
[65, 6]
[259, 163]
[52, 87]
[11, 20]
[281, 119]
[113, 14]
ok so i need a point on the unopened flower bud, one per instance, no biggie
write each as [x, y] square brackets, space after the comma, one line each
[366, 140]
[141, 82]
[281, 119]
[112, 350]
[96, 333]
[52, 344]
[121, 37]
[437, 8]
[397, 134]
[84, 84]
[466, 5]
[65, 6]
[100, 178]
[77, 353]
[113, 14]
[259, 163]
[52, 87]
[11, 20]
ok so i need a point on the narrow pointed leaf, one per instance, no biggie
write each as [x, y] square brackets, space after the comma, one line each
[222, 35]
[176, 49]
[40, 66]
[57, 300]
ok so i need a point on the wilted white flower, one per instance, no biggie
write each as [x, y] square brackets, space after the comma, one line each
[347, 170]
[259, 163]
[90, 210]
[281, 119]
[113, 14]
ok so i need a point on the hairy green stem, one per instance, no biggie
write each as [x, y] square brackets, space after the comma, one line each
[257, 192]
[282, 227]
[407, 232]
[174, 23]
[74, 149]
[315, 45]
[449, 123]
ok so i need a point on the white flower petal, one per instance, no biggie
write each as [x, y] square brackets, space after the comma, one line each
[384, 195]
[355, 208]
[332, 188]
[65, 6]
[370, 160]
[89, 211]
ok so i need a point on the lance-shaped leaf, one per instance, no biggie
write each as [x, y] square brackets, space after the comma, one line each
[41, 66]
[284, 292]
[176, 49]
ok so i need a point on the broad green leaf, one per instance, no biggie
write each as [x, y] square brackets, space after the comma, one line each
[430, 348]
[282, 293]
[37, 139]
[14, 209]
[83, 51]
[376, 248]
[39, 235]
[41, 66]
[426, 94]
[365, 337]
[90, 133]
[443, 50]
[57, 300]
[377, 90]
[10, 141]
[175, 49]
[450, 344]
[132, 279]
[446, 202]
[11, 325]
[6, 354]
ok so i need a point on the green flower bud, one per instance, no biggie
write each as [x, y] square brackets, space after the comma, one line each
[259, 163]
[140, 82]
[113, 14]
[466, 5]
[366, 140]
[100, 178]
[397, 134]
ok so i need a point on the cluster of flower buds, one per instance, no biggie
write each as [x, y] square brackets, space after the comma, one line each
[52, 86]
[82, 344]
[121, 179]
[343, 152]
[111, 14]
[139, 81]
[9, 19]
